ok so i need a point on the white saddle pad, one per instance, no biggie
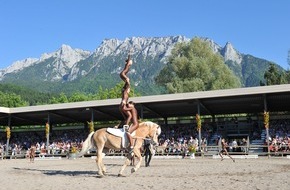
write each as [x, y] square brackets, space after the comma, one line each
[120, 133]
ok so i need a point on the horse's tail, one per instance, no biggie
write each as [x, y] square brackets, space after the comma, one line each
[87, 144]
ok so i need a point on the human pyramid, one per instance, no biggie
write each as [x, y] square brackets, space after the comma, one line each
[128, 109]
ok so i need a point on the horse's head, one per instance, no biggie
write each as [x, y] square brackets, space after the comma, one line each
[154, 130]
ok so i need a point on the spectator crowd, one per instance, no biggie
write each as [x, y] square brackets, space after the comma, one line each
[174, 139]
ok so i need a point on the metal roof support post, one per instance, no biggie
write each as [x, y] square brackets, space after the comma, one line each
[267, 128]
[91, 123]
[92, 115]
[199, 130]
[47, 135]
[9, 121]
[141, 112]
[7, 143]
[213, 122]
[166, 122]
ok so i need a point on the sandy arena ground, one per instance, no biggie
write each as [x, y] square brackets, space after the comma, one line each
[169, 174]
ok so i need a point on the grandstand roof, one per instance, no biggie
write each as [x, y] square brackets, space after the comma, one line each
[240, 100]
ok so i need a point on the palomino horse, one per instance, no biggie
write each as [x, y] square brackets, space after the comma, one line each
[103, 141]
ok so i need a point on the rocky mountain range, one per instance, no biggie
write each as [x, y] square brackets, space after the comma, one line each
[68, 69]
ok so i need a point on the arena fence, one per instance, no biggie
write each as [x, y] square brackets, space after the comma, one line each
[208, 151]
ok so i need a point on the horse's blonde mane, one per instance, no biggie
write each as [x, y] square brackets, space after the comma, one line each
[147, 123]
[152, 124]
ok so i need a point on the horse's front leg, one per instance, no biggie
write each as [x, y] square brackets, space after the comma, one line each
[139, 157]
[127, 162]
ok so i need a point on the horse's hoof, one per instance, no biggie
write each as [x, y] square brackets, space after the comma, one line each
[133, 170]
[121, 175]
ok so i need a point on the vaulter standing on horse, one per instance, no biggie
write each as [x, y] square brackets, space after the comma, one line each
[126, 114]
[128, 110]
[131, 107]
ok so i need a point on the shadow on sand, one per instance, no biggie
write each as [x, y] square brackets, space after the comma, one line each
[68, 173]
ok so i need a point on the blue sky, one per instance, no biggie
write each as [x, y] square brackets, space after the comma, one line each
[30, 28]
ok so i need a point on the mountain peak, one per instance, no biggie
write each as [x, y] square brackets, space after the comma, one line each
[67, 55]
[107, 47]
[18, 66]
[229, 53]
[67, 64]
[214, 46]
[65, 48]
[147, 46]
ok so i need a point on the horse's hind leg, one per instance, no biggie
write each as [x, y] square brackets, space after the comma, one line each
[99, 161]
[103, 165]
[104, 169]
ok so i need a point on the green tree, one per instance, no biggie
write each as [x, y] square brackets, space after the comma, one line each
[62, 98]
[78, 97]
[193, 66]
[102, 93]
[31, 96]
[11, 100]
[274, 77]
[287, 76]
[288, 57]
[115, 92]
[288, 71]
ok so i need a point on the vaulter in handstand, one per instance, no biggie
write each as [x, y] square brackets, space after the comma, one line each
[125, 94]
[123, 74]
[128, 109]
